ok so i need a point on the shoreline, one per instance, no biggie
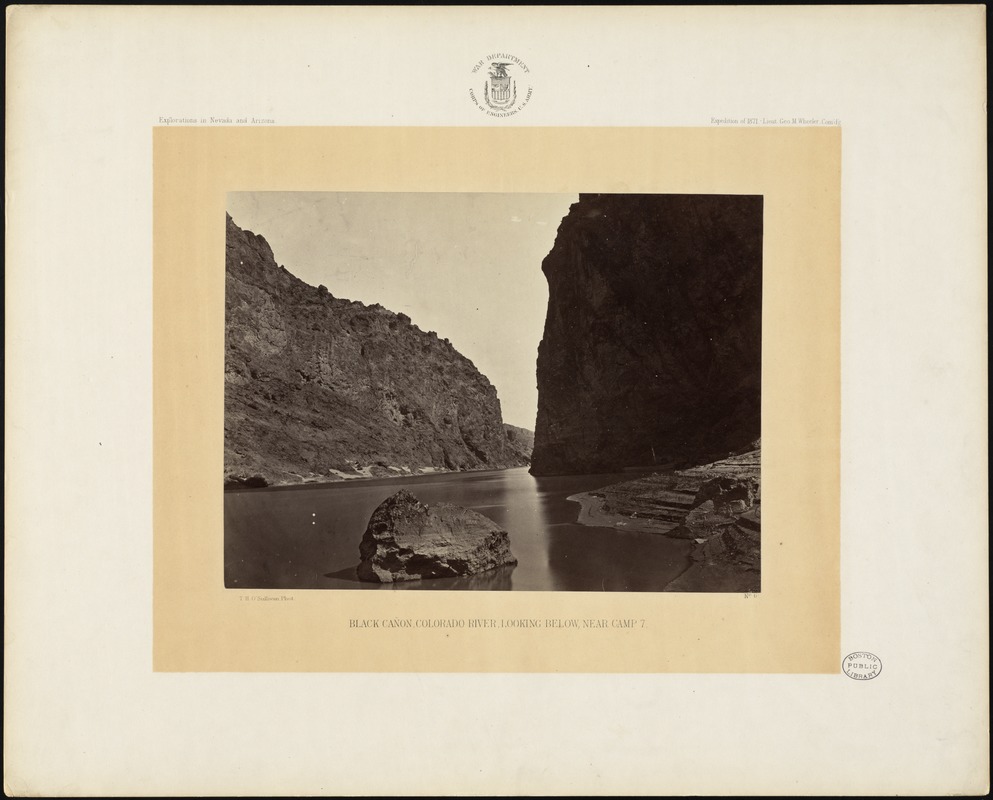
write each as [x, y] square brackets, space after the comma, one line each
[716, 505]
[323, 483]
[593, 514]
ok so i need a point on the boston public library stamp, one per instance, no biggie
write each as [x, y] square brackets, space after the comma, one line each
[861, 666]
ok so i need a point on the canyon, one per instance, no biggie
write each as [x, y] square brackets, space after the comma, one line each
[649, 365]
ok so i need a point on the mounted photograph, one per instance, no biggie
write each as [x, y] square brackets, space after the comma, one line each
[455, 391]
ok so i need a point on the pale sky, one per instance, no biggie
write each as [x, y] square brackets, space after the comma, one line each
[467, 266]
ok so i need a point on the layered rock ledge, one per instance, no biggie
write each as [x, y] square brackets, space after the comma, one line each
[407, 540]
[717, 505]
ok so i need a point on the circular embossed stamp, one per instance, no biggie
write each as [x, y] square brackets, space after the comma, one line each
[861, 666]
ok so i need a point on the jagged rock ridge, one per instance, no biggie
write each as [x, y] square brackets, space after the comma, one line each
[652, 344]
[322, 388]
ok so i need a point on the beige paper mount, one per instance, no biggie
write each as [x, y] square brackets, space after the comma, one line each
[792, 626]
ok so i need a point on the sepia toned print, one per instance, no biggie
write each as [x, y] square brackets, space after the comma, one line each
[199, 612]
[635, 464]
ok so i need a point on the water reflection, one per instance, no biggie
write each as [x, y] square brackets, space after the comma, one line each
[308, 538]
[498, 579]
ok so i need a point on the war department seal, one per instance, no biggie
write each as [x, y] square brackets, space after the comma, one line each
[501, 85]
[861, 666]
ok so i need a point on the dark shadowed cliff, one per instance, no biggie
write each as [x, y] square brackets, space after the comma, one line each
[652, 343]
[317, 387]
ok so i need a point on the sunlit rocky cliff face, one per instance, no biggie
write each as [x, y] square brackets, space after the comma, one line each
[652, 344]
[322, 388]
[521, 440]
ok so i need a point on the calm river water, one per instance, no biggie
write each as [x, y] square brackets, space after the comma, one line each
[308, 537]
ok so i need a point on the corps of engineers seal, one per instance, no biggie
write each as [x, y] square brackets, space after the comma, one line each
[501, 85]
[861, 666]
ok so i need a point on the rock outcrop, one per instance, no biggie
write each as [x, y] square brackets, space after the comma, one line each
[321, 388]
[652, 344]
[521, 440]
[407, 540]
[716, 505]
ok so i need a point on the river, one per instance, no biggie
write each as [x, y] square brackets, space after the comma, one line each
[307, 537]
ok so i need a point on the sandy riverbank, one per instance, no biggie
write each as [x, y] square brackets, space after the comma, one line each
[374, 473]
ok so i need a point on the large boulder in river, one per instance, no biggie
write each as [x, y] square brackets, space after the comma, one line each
[407, 540]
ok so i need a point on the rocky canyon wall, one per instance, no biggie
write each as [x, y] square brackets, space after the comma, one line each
[521, 440]
[318, 387]
[651, 351]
